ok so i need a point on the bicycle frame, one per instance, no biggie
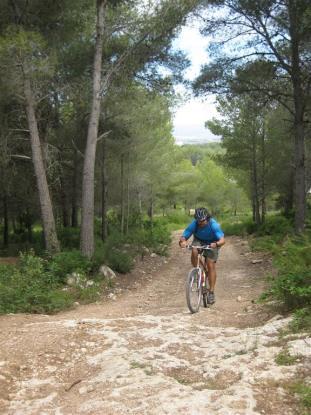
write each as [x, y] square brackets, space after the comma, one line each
[201, 259]
[196, 282]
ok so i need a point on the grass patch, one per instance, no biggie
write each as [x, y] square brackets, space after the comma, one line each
[137, 365]
[304, 393]
[285, 359]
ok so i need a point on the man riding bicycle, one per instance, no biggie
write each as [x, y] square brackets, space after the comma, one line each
[205, 231]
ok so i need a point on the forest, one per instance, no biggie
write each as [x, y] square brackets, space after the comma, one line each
[89, 170]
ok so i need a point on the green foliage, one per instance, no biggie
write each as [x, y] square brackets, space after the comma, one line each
[301, 320]
[156, 235]
[275, 225]
[285, 359]
[66, 262]
[293, 283]
[69, 237]
[266, 243]
[174, 220]
[28, 289]
[304, 392]
[19, 242]
[292, 258]
[119, 261]
[34, 286]
[116, 252]
[275, 228]
[235, 226]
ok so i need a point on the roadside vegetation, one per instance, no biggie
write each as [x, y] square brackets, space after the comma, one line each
[291, 287]
[40, 283]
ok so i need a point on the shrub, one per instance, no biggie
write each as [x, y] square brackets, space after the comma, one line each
[28, 289]
[176, 220]
[293, 289]
[274, 225]
[301, 320]
[266, 243]
[236, 228]
[119, 261]
[35, 286]
[99, 256]
[292, 285]
[157, 235]
[66, 262]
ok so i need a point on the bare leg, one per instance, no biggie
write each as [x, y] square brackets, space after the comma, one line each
[211, 266]
[194, 257]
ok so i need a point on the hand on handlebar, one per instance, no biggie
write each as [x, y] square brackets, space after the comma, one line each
[183, 243]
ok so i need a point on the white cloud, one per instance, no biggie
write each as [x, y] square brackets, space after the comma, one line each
[189, 118]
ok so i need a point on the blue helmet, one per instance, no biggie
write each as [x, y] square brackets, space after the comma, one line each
[201, 214]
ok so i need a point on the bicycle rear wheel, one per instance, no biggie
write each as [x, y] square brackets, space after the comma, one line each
[194, 290]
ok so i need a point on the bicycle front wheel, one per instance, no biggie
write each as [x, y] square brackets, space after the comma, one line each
[194, 290]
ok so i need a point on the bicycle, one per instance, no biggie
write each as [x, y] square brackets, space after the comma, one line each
[197, 282]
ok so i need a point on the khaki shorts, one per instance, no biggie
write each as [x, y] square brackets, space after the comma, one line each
[213, 254]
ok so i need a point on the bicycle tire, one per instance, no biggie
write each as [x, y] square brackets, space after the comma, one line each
[193, 278]
[205, 292]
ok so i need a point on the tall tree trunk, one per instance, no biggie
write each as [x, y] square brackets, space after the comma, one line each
[48, 221]
[140, 209]
[122, 202]
[263, 174]
[87, 213]
[300, 181]
[104, 174]
[28, 220]
[14, 226]
[253, 205]
[151, 209]
[288, 202]
[127, 196]
[74, 195]
[63, 195]
[255, 183]
[6, 222]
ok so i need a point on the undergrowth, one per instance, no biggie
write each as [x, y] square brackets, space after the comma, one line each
[291, 254]
[38, 283]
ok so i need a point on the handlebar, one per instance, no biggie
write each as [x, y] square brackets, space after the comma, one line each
[203, 247]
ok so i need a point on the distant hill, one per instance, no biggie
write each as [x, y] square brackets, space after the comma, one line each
[198, 151]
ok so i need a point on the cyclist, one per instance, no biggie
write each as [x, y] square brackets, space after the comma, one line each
[205, 231]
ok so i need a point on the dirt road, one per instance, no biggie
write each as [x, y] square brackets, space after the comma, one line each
[140, 351]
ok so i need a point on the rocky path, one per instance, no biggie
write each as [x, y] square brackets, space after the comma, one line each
[140, 352]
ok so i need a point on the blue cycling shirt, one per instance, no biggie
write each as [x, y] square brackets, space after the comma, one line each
[209, 233]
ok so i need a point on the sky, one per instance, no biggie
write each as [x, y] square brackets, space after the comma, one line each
[189, 118]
